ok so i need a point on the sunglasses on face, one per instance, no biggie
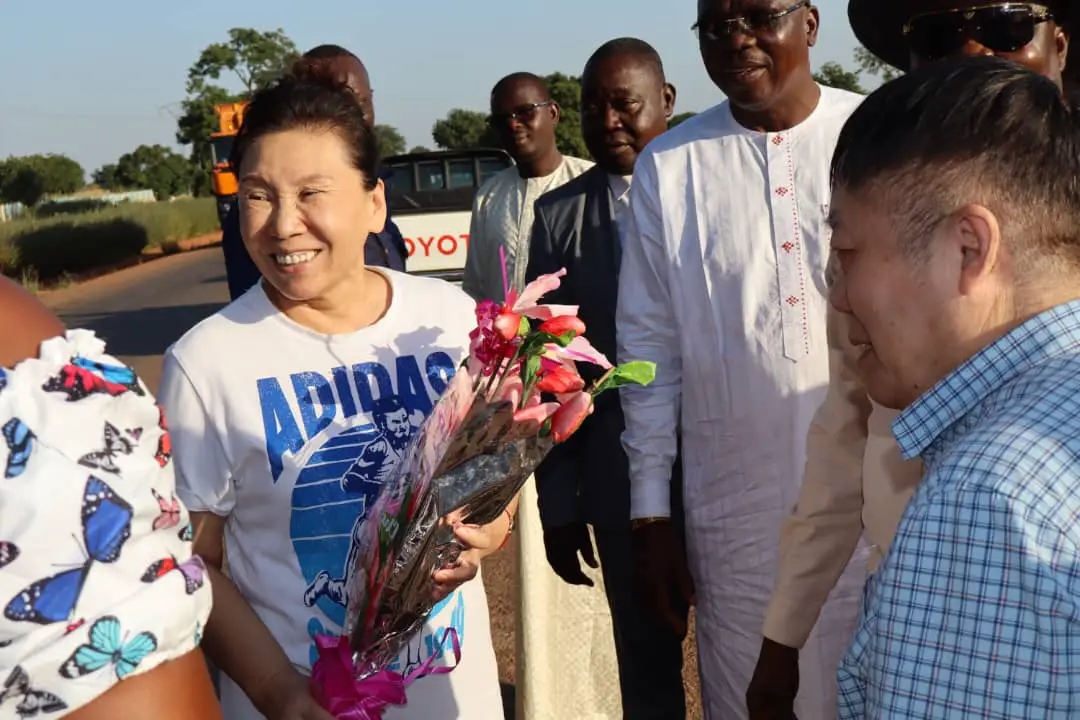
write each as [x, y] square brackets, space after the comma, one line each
[1001, 28]
[754, 22]
[523, 115]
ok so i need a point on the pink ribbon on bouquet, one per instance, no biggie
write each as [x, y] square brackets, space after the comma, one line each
[335, 687]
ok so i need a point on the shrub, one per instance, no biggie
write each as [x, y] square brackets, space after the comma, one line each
[77, 243]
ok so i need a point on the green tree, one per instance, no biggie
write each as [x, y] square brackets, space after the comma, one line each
[105, 177]
[419, 149]
[871, 64]
[680, 118]
[29, 178]
[23, 185]
[251, 57]
[462, 129]
[157, 168]
[390, 141]
[566, 90]
[834, 75]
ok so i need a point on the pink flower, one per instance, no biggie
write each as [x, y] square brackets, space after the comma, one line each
[560, 380]
[563, 324]
[579, 350]
[568, 418]
[526, 303]
[539, 412]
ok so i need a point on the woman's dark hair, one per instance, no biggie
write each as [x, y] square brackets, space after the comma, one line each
[310, 100]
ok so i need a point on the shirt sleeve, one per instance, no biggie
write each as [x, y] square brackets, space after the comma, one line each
[557, 478]
[646, 329]
[974, 612]
[472, 281]
[818, 539]
[203, 476]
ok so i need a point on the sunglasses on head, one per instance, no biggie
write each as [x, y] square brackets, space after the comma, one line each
[523, 115]
[1001, 28]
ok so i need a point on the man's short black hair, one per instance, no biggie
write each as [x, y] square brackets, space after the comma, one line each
[328, 52]
[970, 130]
[628, 46]
[520, 77]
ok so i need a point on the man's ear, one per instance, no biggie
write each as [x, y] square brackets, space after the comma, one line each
[556, 112]
[669, 94]
[813, 21]
[975, 233]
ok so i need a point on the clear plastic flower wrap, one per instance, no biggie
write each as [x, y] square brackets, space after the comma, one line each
[518, 395]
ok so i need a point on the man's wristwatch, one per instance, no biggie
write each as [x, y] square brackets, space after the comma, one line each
[642, 522]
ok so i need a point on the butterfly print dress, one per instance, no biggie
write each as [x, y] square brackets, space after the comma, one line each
[97, 578]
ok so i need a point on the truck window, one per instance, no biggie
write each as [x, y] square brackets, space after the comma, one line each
[462, 173]
[432, 176]
[222, 148]
[400, 179]
[490, 166]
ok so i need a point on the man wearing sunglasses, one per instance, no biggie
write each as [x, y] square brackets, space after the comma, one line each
[913, 33]
[723, 286]
[524, 117]
[855, 479]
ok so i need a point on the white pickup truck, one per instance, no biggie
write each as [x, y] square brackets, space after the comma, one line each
[430, 197]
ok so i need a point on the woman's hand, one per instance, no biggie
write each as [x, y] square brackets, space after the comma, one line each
[291, 699]
[479, 541]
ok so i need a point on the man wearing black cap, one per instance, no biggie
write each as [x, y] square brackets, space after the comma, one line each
[855, 480]
[910, 34]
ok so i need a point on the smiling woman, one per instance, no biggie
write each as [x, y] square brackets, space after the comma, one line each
[290, 407]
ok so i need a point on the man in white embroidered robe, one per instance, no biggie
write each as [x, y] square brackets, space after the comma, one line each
[723, 286]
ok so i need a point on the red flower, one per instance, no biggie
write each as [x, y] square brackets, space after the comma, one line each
[560, 380]
[568, 418]
[507, 324]
[563, 324]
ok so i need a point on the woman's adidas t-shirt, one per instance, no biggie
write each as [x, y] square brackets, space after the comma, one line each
[290, 433]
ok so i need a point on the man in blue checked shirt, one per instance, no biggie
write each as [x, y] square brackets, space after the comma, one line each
[956, 221]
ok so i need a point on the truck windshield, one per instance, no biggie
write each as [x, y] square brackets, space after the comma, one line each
[439, 181]
[222, 149]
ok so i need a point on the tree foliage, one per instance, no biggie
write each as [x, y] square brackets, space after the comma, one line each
[679, 118]
[462, 129]
[154, 167]
[873, 65]
[390, 140]
[250, 57]
[419, 149]
[833, 74]
[30, 178]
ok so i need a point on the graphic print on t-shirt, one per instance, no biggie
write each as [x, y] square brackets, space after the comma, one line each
[351, 431]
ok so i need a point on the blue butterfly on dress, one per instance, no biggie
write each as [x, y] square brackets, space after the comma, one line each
[20, 442]
[116, 374]
[31, 702]
[106, 520]
[107, 647]
[187, 534]
[3, 378]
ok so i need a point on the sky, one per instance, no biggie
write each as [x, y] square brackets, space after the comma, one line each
[94, 80]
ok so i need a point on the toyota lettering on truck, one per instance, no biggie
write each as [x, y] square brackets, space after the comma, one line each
[430, 197]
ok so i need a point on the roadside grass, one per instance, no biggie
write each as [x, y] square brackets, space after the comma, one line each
[52, 250]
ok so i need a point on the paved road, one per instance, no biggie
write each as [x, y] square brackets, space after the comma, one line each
[140, 311]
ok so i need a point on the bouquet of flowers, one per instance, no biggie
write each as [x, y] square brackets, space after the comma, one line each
[518, 394]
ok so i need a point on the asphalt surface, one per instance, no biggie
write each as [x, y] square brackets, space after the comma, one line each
[140, 311]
